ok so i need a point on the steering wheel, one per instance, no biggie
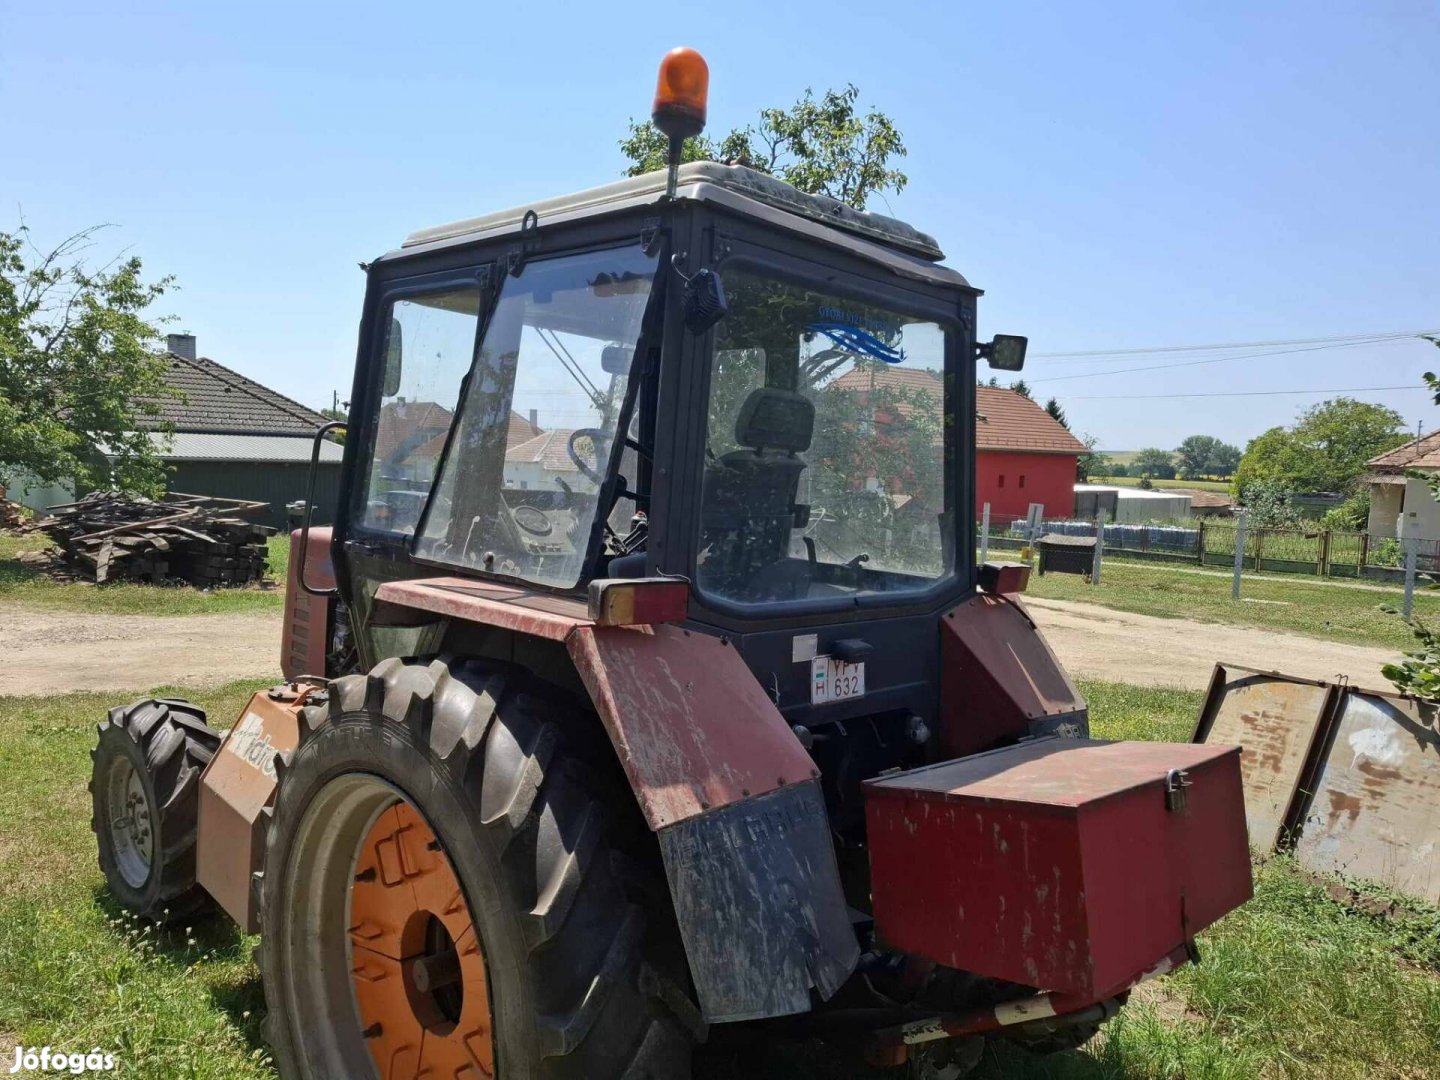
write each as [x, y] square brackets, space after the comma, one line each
[596, 437]
[533, 521]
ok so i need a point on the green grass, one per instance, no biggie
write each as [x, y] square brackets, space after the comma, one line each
[1296, 606]
[1296, 984]
[20, 585]
[1222, 486]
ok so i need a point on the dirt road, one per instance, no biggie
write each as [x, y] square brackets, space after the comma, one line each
[52, 651]
[1101, 643]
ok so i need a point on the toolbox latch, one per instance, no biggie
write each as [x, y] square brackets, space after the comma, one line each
[1176, 781]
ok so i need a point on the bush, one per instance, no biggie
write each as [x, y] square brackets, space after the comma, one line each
[1352, 515]
[1268, 504]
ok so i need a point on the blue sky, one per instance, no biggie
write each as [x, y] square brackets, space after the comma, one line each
[1114, 176]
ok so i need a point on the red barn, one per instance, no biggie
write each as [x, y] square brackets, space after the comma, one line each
[1024, 456]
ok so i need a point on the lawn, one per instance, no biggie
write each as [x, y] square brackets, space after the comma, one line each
[1295, 984]
[21, 585]
[1333, 612]
[1221, 486]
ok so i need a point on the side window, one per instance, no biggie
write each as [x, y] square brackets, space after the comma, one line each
[427, 350]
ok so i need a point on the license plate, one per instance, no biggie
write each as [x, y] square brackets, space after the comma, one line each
[835, 680]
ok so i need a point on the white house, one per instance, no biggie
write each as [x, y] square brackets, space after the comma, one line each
[1402, 505]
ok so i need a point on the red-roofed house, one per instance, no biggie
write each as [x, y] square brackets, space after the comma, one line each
[1024, 456]
[1400, 504]
[537, 463]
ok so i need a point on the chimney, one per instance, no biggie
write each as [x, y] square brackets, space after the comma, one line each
[182, 345]
[535, 419]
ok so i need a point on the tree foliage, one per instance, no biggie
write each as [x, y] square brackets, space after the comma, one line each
[1267, 504]
[1021, 387]
[1205, 455]
[823, 146]
[1153, 462]
[1324, 450]
[1057, 413]
[80, 367]
[1092, 462]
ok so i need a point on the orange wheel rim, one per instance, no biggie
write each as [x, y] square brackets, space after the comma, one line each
[416, 962]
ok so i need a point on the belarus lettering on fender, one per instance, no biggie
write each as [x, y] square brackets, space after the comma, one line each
[46, 1060]
[252, 744]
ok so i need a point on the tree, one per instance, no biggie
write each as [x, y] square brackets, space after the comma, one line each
[81, 368]
[1092, 462]
[1057, 413]
[1267, 503]
[1021, 387]
[821, 146]
[1205, 455]
[1154, 463]
[1325, 450]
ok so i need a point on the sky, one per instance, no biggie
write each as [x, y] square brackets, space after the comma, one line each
[1116, 176]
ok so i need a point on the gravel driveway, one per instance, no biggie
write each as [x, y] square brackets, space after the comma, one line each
[48, 652]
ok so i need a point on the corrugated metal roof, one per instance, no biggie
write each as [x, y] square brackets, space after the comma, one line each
[203, 446]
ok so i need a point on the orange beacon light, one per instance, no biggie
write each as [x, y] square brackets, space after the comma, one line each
[681, 90]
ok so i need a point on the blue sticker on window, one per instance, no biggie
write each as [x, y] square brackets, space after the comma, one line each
[853, 339]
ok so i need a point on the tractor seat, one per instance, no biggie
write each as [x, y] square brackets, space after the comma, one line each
[748, 496]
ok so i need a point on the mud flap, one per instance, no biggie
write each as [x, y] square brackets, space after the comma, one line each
[758, 897]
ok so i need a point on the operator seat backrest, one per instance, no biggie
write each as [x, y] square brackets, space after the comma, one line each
[749, 493]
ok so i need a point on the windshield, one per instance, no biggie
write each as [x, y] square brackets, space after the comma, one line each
[826, 448]
[519, 487]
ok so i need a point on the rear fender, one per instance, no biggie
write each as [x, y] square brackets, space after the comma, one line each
[1000, 680]
[717, 774]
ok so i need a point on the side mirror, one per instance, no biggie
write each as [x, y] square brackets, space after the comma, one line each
[1005, 353]
[394, 353]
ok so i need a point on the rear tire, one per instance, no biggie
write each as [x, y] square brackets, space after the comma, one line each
[145, 789]
[576, 933]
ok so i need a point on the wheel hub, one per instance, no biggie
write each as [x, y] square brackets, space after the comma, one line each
[416, 963]
[130, 826]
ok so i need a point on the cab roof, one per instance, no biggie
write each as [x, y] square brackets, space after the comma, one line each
[741, 188]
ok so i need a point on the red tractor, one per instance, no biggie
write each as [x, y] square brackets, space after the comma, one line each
[647, 681]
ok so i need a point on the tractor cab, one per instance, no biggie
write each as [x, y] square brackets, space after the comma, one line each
[801, 372]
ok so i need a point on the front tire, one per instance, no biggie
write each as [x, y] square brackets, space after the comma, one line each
[567, 953]
[145, 798]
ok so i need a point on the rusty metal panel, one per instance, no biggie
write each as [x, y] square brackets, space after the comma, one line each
[238, 783]
[694, 729]
[1375, 812]
[761, 910]
[1277, 721]
[1062, 864]
[307, 618]
[506, 606]
[998, 676]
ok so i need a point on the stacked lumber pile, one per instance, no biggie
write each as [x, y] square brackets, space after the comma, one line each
[12, 515]
[189, 538]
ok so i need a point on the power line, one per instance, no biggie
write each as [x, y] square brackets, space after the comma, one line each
[1245, 393]
[1357, 338]
[1212, 360]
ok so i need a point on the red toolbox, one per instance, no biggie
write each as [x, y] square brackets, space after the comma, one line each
[1062, 864]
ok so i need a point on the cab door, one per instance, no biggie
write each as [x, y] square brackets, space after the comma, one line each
[419, 347]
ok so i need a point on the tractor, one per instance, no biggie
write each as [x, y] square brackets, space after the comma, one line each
[647, 686]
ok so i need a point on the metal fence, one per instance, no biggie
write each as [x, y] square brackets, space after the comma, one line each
[1206, 542]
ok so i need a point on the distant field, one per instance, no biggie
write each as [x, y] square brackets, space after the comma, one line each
[1220, 486]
